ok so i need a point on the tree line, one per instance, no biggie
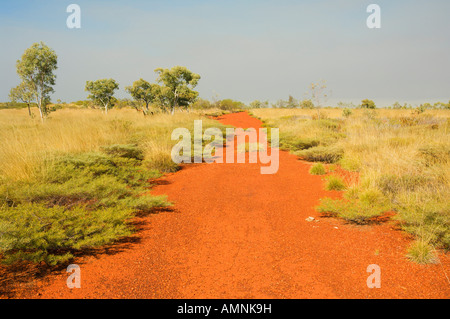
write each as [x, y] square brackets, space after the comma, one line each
[36, 69]
[174, 88]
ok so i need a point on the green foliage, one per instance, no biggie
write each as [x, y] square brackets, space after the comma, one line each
[202, 104]
[24, 93]
[177, 90]
[102, 91]
[358, 209]
[426, 217]
[318, 169]
[294, 143]
[422, 253]
[161, 162]
[347, 112]
[144, 92]
[350, 163]
[230, 105]
[130, 151]
[368, 104]
[324, 154]
[80, 201]
[258, 104]
[36, 69]
[306, 104]
[37, 233]
[334, 183]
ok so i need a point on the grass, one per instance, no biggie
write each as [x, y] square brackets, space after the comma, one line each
[318, 169]
[334, 183]
[77, 180]
[422, 253]
[400, 154]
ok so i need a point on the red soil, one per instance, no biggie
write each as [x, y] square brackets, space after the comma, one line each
[235, 233]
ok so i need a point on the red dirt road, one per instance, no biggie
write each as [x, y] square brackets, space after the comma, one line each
[235, 233]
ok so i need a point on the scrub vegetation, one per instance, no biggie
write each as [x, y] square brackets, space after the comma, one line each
[402, 157]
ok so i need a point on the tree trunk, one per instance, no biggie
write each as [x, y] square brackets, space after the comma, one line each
[29, 109]
[39, 103]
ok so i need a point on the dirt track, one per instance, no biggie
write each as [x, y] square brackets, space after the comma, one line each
[235, 233]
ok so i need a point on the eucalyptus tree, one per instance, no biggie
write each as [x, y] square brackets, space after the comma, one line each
[177, 87]
[22, 93]
[102, 92]
[143, 92]
[36, 69]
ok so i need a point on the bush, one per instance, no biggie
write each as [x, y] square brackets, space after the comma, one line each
[427, 218]
[422, 253]
[324, 154]
[80, 201]
[334, 183]
[349, 163]
[367, 104]
[294, 143]
[318, 169]
[161, 161]
[127, 151]
[346, 112]
[360, 210]
[37, 233]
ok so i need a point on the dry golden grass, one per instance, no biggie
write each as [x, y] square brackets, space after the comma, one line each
[402, 154]
[27, 143]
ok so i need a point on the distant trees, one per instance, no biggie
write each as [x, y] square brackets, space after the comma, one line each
[36, 69]
[177, 87]
[258, 104]
[102, 92]
[306, 104]
[144, 92]
[368, 104]
[22, 93]
[318, 94]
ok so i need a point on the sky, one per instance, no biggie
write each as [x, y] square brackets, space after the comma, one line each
[243, 50]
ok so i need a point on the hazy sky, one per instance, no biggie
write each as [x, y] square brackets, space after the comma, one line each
[244, 49]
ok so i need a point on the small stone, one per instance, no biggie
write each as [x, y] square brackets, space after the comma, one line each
[309, 219]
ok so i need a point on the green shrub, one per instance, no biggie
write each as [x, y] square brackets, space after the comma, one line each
[130, 151]
[37, 233]
[318, 169]
[353, 210]
[346, 112]
[293, 143]
[80, 201]
[325, 154]
[161, 161]
[426, 217]
[422, 253]
[334, 183]
[349, 163]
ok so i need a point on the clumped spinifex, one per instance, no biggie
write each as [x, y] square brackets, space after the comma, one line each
[75, 181]
[403, 156]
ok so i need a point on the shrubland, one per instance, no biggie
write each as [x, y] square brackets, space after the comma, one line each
[402, 158]
[77, 180]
